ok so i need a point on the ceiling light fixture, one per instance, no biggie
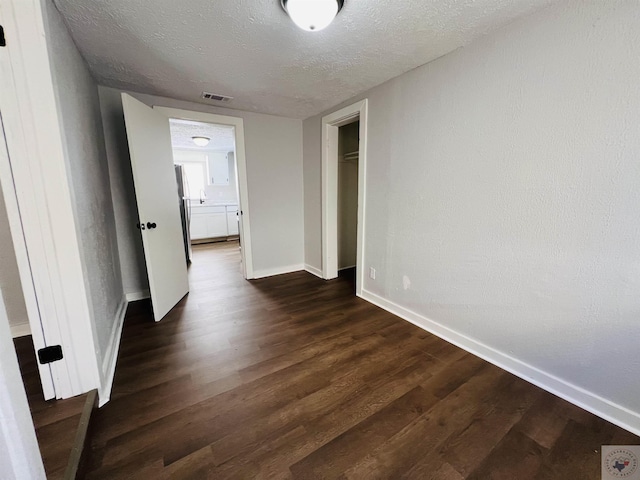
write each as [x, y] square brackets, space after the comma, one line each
[201, 141]
[312, 15]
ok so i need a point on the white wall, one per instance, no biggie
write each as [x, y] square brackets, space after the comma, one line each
[88, 173]
[503, 206]
[312, 170]
[131, 254]
[274, 173]
[10, 278]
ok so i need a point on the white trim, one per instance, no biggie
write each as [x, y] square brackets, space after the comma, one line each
[20, 330]
[330, 125]
[135, 296]
[313, 270]
[37, 154]
[346, 268]
[585, 399]
[241, 171]
[111, 355]
[270, 272]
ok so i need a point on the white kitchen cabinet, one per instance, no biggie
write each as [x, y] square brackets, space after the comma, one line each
[208, 222]
[198, 227]
[217, 221]
[216, 225]
[218, 168]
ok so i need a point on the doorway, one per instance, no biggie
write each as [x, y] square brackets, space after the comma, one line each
[154, 175]
[204, 156]
[348, 156]
[344, 149]
[223, 196]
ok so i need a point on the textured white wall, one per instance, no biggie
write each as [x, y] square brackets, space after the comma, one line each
[87, 169]
[274, 173]
[312, 170]
[502, 194]
[130, 251]
[10, 277]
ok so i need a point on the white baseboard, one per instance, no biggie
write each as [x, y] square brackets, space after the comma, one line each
[270, 272]
[614, 413]
[20, 330]
[111, 355]
[313, 270]
[346, 268]
[135, 296]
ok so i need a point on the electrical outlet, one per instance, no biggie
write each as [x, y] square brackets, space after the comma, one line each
[372, 273]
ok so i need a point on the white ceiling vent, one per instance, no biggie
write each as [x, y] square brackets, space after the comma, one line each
[216, 97]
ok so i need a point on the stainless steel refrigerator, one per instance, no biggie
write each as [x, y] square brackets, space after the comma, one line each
[185, 209]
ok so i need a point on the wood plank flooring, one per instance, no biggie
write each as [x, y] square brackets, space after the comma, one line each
[292, 377]
[55, 421]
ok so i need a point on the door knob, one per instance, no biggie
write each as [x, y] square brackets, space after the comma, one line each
[151, 225]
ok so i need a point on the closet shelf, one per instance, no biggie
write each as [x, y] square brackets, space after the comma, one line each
[351, 157]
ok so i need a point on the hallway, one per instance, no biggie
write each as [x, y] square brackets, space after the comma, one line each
[295, 377]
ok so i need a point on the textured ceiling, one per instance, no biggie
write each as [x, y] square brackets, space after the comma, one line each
[222, 137]
[249, 49]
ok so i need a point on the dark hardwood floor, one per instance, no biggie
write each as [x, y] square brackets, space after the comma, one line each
[55, 421]
[295, 377]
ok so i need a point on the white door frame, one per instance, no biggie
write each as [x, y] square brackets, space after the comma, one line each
[330, 127]
[36, 188]
[241, 170]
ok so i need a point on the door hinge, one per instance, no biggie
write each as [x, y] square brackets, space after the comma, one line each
[50, 354]
[3, 41]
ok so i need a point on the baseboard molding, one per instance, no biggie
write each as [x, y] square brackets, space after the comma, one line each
[20, 330]
[270, 272]
[584, 399]
[135, 296]
[346, 268]
[204, 241]
[111, 356]
[313, 270]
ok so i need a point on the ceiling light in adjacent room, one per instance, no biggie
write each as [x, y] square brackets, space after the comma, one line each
[201, 141]
[312, 15]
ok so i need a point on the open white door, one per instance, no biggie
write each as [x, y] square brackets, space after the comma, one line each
[24, 266]
[156, 194]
